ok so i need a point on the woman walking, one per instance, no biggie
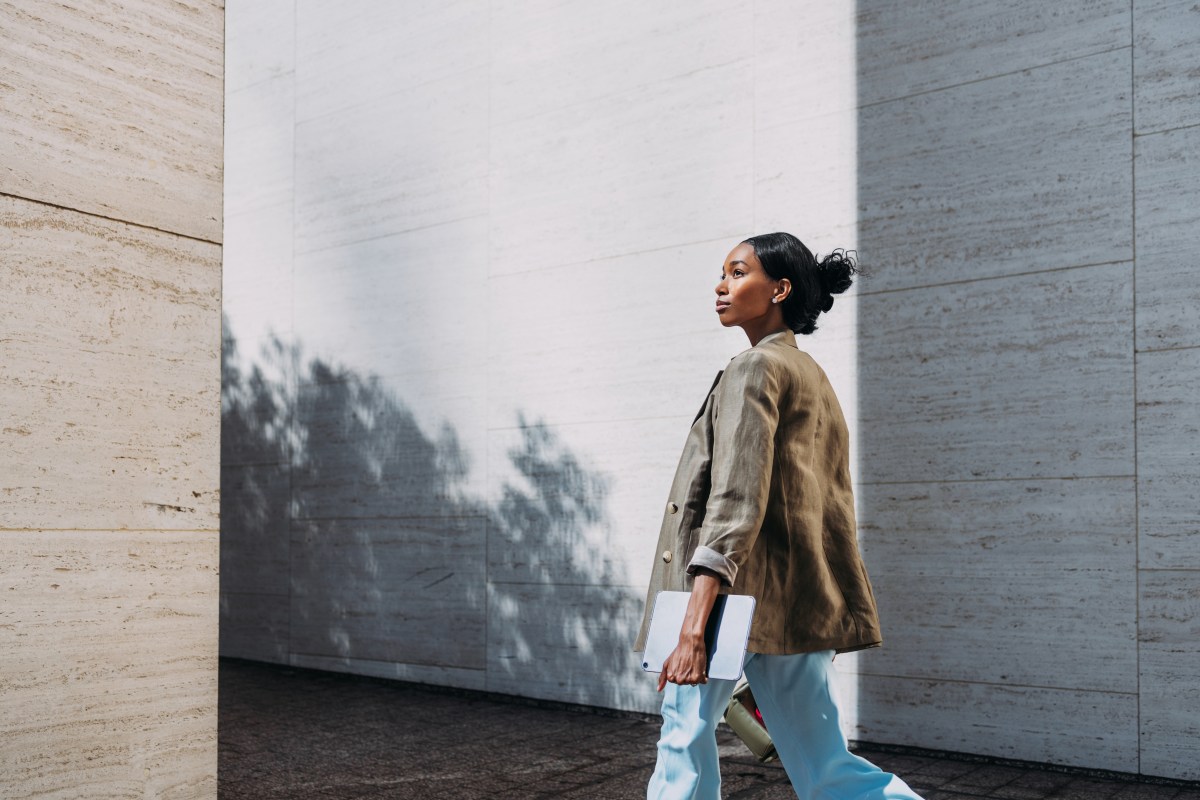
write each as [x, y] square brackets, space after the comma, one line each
[762, 505]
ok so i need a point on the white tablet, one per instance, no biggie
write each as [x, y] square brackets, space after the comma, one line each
[725, 636]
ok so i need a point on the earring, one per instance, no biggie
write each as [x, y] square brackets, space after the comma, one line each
[774, 299]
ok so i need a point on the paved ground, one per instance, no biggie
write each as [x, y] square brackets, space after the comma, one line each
[296, 734]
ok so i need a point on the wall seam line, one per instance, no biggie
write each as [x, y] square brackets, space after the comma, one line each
[1189, 126]
[487, 373]
[725, 237]
[94, 215]
[99, 529]
[1174, 349]
[261, 81]
[293, 367]
[1019, 479]
[1025, 274]
[1008, 74]
[754, 116]
[1137, 508]
[395, 91]
[399, 664]
[961, 681]
[382, 236]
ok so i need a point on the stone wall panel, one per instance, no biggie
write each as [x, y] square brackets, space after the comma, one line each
[576, 649]
[1169, 637]
[255, 625]
[1168, 427]
[111, 361]
[114, 108]
[396, 48]
[569, 186]
[1018, 722]
[928, 45]
[109, 685]
[1018, 377]
[1166, 77]
[409, 591]
[1020, 173]
[415, 158]
[974, 576]
[1168, 239]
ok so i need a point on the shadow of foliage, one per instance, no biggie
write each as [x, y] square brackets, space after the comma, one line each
[353, 539]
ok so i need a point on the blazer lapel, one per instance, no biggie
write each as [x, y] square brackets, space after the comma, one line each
[704, 405]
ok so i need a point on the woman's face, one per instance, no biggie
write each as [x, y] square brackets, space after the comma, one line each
[745, 291]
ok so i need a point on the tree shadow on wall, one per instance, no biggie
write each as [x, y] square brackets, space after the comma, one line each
[353, 539]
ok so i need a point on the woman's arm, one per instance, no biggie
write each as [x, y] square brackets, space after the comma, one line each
[745, 422]
[688, 663]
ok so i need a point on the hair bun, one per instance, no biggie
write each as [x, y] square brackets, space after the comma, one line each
[837, 271]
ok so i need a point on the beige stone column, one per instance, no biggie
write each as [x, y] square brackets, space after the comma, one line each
[110, 279]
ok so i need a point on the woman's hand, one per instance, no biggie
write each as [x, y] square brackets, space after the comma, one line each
[688, 663]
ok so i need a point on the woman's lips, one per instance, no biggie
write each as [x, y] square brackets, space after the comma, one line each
[721, 306]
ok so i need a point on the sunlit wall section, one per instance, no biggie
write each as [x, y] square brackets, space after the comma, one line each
[110, 274]
[485, 290]
[805, 161]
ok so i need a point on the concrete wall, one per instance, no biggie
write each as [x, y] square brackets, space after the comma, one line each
[469, 300]
[1028, 196]
[110, 270]
[470, 257]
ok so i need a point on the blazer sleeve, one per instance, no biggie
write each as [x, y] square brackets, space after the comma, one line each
[746, 416]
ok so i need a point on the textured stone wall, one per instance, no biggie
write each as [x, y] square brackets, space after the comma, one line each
[1027, 183]
[470, 252]
[469, 300]
[110, 270]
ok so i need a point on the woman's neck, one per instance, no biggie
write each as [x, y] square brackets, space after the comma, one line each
[757, 332]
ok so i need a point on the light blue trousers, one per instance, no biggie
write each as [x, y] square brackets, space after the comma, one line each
[795, 697]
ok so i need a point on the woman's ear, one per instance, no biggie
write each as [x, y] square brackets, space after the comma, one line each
[782, 290]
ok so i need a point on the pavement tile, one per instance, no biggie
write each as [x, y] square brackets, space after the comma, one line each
[936, 774]
[1085, 789]
[290, 734]
[982, 780]
[1032, 785]
[770, 791]
[1138, 791]
[617, 787]
[896, 763]
[748, 781]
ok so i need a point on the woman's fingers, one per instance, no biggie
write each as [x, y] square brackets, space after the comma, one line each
[685, 669]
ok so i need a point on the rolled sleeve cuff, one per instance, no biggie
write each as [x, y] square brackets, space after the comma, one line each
[708, 558]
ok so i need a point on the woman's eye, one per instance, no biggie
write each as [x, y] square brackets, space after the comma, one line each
[737, 273]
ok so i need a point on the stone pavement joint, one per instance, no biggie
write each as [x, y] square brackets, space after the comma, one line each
[296, 733]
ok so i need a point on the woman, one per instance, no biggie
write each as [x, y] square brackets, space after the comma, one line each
[761, 504]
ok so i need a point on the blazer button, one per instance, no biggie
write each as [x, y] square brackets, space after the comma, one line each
[673, 508]
[667, 556]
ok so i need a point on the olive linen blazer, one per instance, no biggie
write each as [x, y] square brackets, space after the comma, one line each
[762, 497]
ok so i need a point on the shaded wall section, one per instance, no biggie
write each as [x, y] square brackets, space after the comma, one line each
[470, 257]
[1028, 197]
[110, 241]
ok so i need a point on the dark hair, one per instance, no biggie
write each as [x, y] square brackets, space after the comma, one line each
[814, 283]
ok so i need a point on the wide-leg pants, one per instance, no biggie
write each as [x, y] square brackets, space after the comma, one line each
[793, 693]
